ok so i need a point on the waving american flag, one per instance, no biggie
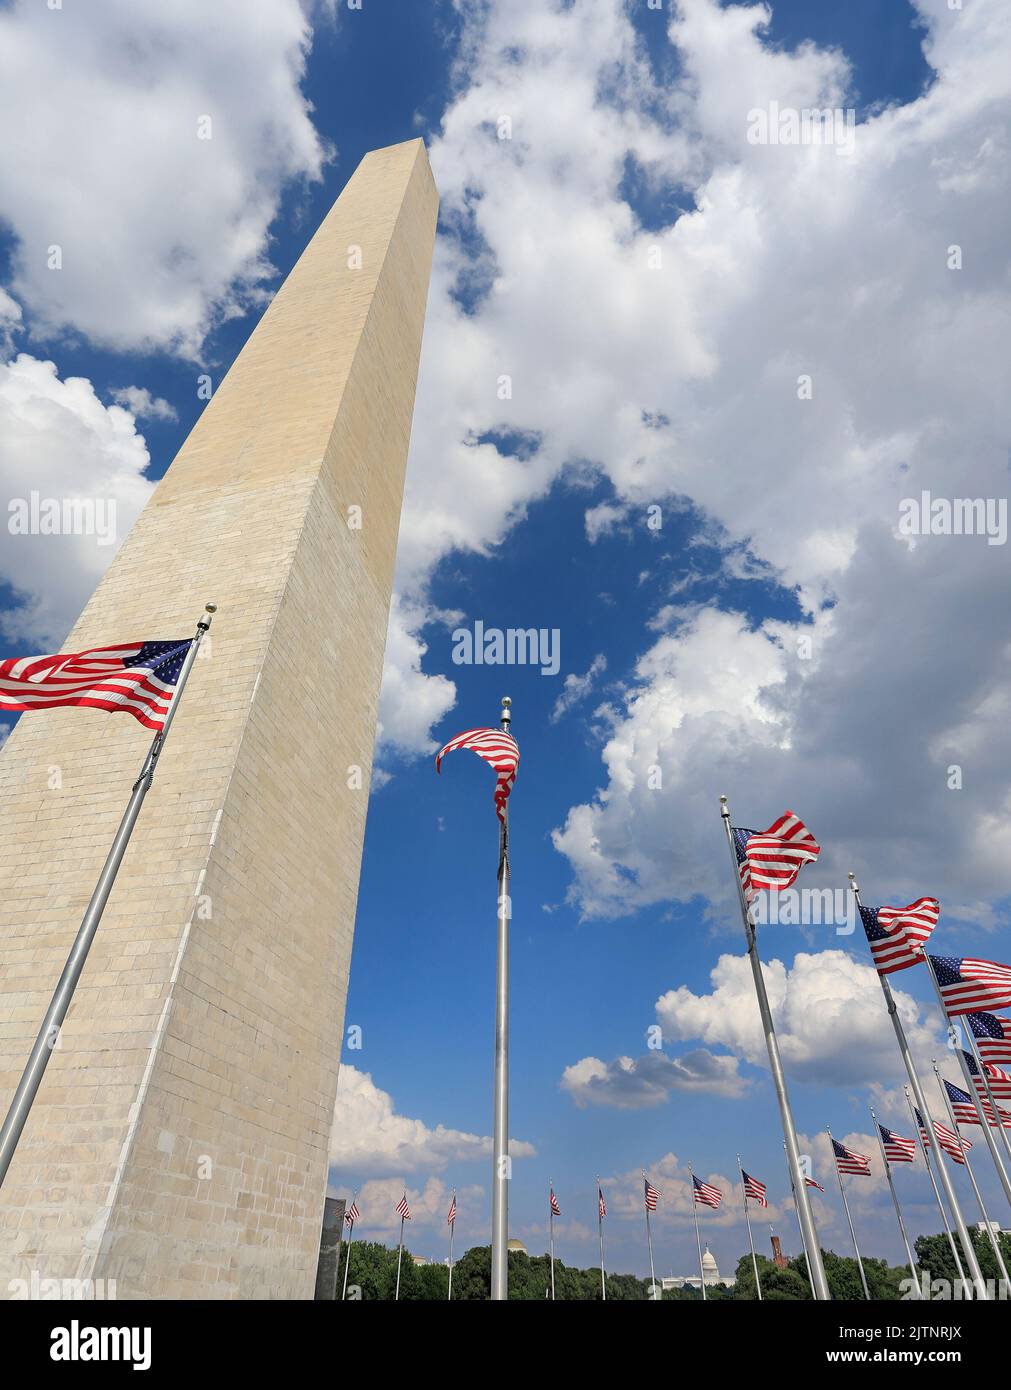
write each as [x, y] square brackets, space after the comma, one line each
[953, 1144]
[555, 1208]
[897, 1149]
[705, 1194]
[497, 748]
[754, 1189]
[452, 1211]
[968, 984]
[773, 858]
[652, 1196]
[895, 933]
[993, 1037]
[993, 1076]
[352, 1214]
[601, 1205]
[849, 1161]
[137, 678]
[403, 1210]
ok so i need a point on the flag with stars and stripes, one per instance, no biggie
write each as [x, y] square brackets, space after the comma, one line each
[810, 1182]
[773, 858]
[897, 1149]
[652, 1195]
[996, 1077]
[968, 984]
[403, 1210]
[601, 1205]
[352, 1214]
[754, 1189]
[137, 678]
[849, 1161]
[452, 1211]
[555, 1208]
[894, 933]
[993, 1037]
[499, 749]
[965, 1112]
[705, 1194]
[953, 1144]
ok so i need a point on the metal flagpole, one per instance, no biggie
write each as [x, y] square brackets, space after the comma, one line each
[819, 1284]
[452, 1233]
[849, 1220]
[986, 1082]
[972, 1177]
[400, 1255]
[803, 1238]
[895, 1203]
[751, 1241]
[500, 1156]
[933, 1183]
[551, 1236]
[698, 1238]
[347, 1255]
[921, 1105]
[35, 1068]
[970, 1085]
[649, 1239]
[600, 1233]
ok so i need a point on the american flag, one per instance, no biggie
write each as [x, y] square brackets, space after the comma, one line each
[993, 1037]
[452, 1211]
[601, 1205]
[897, 1149]
[810, 1182]
[967, 984]
[652, 1195]
[403, 1210]
[998, 1079]
[137, 678]
[953, 1144]
[705, 1193]
[754, 1189]
[352, 1214]
[965, 1110]
[849, 1161]
[555, 1208]
[773, 858]
[497, 748]
[893, 933]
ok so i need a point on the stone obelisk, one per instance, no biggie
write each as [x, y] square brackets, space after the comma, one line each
[178, 1144]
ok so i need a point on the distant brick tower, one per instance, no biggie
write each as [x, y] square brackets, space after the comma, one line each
[179, 1141]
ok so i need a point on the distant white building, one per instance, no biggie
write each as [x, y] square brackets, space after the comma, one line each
[710, 1275]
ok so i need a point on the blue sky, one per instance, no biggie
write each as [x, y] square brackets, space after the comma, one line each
[681, 646]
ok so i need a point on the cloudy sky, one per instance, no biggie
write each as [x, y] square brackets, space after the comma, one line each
[677, 383]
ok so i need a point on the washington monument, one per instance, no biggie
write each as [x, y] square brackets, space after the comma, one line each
[178, 1144]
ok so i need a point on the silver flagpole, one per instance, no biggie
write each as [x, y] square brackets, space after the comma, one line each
[551, 1236]
[698, 1238]
[452, 1233]
[500, 1157]
[819, 1284]
[895, 1203]
[849, 1220]
[970, 1085]
[347, 1261]
[49, 1033]
[937, 1196]
[972, 1177]
[751, 1241]
[400, 1255]
[803, 1240]
[649, 1238]
[600, 1233]
[986, 1082]
[921, 1105]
